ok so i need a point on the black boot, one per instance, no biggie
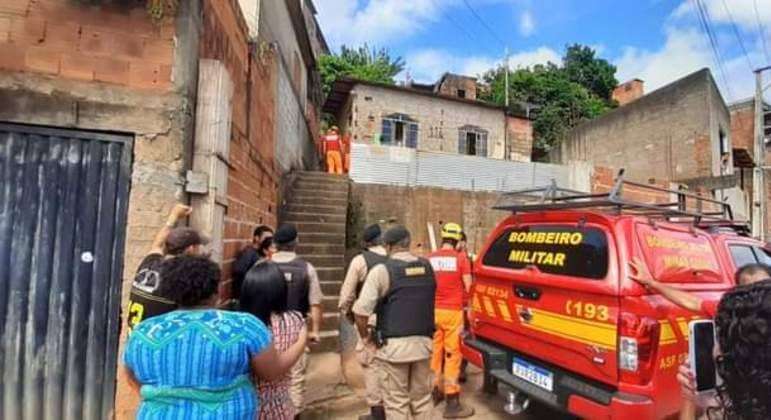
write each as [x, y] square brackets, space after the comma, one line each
[437, 395]
[375, 413]
[455, 410]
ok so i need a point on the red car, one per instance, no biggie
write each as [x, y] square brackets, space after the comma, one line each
[556, 316]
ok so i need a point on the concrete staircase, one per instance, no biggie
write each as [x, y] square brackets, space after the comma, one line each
[317, 204]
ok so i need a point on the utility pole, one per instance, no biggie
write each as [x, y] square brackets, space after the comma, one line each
[507, 78]
[506, 139]
[758, 178]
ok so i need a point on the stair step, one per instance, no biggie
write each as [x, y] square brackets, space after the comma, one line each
[307, 184]
[330, 274]
[338, 194]
[329, 342]
[300, 217]
[331, 287]
[321, 227]
[322, 176]
[314, 238]
[321, 249]
[312, 206]
[320, 200]
[326, 261]
[329, 303]
[330, 321]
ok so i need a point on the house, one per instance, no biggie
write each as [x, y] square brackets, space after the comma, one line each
[682, 132]
[442, 117]
[118, 116]
[678, 132]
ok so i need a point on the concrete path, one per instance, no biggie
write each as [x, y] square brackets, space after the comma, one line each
[330, 398]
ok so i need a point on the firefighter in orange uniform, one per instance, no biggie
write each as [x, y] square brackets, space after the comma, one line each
[332, 148]
[453, 279]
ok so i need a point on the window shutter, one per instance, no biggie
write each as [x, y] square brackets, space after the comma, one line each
[482, 144]
[412, 136]
[462, 141]
[387, 135]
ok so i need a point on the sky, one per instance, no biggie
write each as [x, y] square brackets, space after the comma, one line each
[657, 41]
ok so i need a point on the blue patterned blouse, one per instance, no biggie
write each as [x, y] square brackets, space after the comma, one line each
[194, 364]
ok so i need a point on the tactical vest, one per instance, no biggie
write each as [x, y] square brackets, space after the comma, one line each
[371, 259]
[298, 285]
[407, 309]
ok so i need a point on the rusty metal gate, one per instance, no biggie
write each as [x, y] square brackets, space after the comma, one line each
[63, 204]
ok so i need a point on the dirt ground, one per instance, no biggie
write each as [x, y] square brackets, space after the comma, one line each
[330, 398]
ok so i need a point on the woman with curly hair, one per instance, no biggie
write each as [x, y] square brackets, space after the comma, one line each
[198, 361]
[264, 295]
[743, 329]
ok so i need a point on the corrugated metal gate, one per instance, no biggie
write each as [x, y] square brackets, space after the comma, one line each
[63, 204]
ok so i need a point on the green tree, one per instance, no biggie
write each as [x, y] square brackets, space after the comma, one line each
[595, 74]
[363, 63]
[563, 95]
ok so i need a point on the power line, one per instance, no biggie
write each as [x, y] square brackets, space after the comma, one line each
[705, 26]
[762, 30]
[738, 36]
[482, 21]
[474, 40]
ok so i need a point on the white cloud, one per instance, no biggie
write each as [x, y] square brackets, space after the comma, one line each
[427, 65]
[526, 23]
[377, 22]
[686, 48]
[742, 11]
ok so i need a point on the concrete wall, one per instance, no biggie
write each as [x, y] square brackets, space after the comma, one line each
[276, 26]
[439, 119]
[416, 206]
[669, 134]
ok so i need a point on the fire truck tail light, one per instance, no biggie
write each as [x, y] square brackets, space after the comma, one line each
[627, 357]
[637, 344]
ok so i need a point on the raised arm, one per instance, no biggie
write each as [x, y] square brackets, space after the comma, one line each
[680, 298]
[178, 212]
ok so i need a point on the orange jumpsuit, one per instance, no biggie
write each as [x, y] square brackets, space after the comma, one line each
[449, 267]
[333, 152]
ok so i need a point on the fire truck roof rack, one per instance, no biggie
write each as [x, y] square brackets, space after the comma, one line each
[687, 207]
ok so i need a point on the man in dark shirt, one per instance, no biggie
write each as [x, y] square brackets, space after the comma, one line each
[144, 301]
[259, 249]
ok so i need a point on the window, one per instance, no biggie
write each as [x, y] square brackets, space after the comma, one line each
[399, 130]
[563, 250]
[472, 141]
[461, 93]
[742, 255]
[725, 146]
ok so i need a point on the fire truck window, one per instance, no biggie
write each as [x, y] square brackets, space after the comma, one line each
[763, 255]
[742, 256]
[562, 250]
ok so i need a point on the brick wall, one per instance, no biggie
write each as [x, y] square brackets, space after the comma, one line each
[520, 135]
[113, 44]
[452, 83]
[628, 92]
[252, 177]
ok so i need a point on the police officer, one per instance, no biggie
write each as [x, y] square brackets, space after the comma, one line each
[401, 293]
[374, 253]
[453, 279]
[303, 295]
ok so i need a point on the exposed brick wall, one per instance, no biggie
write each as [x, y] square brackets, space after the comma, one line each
[628, 91]
[252, 178]
[112, 44]
[452, 83]
[520, 137]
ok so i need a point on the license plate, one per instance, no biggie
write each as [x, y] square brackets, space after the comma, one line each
[536, 375]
